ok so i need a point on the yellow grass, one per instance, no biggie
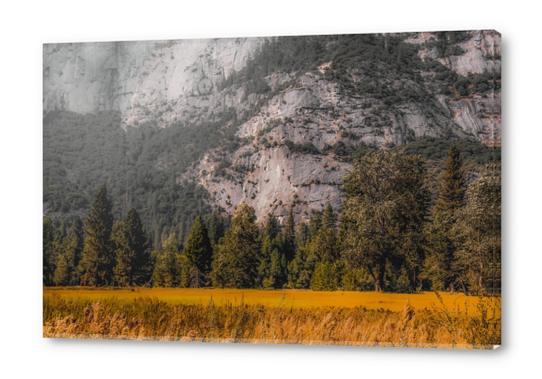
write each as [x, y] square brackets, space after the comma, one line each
[290, 298]
[301, 317]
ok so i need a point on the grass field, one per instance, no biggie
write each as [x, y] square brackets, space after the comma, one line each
[291, 316]
[290, 298]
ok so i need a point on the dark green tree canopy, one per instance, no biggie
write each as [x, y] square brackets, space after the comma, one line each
[450, 196]
[385, 208]
[198, 248]
[97, 253]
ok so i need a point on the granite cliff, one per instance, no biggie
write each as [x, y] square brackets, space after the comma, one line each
[295, 129]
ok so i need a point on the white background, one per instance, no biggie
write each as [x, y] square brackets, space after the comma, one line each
[26, 25]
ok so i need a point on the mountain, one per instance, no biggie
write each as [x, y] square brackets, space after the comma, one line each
[179, 128]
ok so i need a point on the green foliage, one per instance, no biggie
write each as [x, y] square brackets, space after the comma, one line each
[325, 277]
[306, 148]
[347, 153]
[167, 267]
[197, 249]
[217, 226]
[97, 260]
[479, 239]
[440, 250]
[83, 151]
[48, 251]
[472, 154]
[385, 208]
[272, 227]
[272, 270]
[446, 42]
[289, 236]
[235, 258]
[329, 218]
[450, 196]
[133, 260]
[62, 272]
[315, 224]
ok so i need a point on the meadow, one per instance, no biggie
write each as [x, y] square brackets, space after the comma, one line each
[435, 320]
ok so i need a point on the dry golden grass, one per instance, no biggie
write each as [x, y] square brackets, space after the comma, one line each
[290, 298]
[151, 318]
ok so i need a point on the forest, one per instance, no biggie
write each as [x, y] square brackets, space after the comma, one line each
[401, 229]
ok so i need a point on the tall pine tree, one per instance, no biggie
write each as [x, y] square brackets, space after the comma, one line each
[235, 261]
[329, 218]
[289, 237]
[48, 251]
[98, 257]
[167, 268]
[440, 246]
[198, 252]
[452, 191]
[131, 251]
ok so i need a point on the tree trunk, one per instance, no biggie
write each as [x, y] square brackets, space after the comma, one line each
[377, 286]
[379, 282]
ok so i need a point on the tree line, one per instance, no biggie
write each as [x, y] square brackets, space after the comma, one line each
[388, 238]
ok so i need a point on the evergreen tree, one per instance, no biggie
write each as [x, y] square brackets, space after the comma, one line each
[315, 224]
[132, 251]
[97, 258]
[272, 270]
[216, 228]
[62, 272]
[289, 237]
[198, 251]
[48, 251]
[272, 227]
[296, 266]
[325, 277]
[77, 242]
[329, 218]
[324, 247]
[166, 270]
[439, 235]
[235, 264]
[450, 196]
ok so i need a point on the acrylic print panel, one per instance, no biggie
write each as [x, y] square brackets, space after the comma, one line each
[335, 190]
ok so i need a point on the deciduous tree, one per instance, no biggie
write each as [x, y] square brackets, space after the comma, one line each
[385, 208]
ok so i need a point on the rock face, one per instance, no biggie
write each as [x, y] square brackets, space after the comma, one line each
[169, 83]
[91, 77]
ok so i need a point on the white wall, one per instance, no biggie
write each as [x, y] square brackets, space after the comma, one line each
[26, 25]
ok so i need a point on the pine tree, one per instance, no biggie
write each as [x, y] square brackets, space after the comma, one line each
[235, 263]
[315, 224]
[329, 218]
[451, 193]
[299, 269]
[48, 251]
[71, 250]
[272, 270]
[265, 263]
[324, 277]
[439, 234]
[131, 250]
[198, 251]
[62, 272]
[289, 237]
[325, 245]
[167, 267]
[216, 228]
[97, 252]
[272, 227]
[77, 234]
